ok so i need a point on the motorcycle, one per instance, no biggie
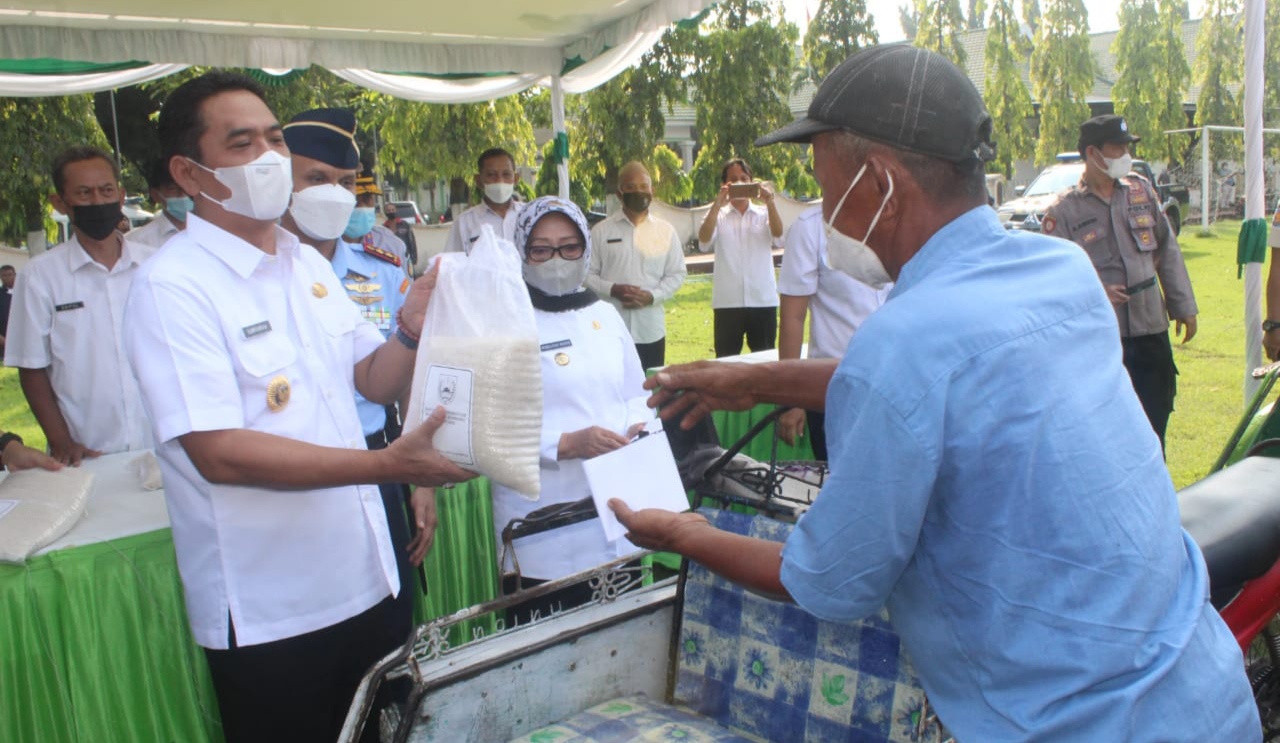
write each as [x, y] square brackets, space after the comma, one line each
[1233, 514]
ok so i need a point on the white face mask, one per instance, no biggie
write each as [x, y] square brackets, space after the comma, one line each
[321, 212]
[557, 276]
[499, 193]
[851, 256]
[1118, 167]
[259, 190]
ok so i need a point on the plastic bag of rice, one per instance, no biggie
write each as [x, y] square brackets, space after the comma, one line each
[37, 507]
[479, 358]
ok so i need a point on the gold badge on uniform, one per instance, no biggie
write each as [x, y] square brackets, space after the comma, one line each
[278, 393]
[595, 324]
[319, 290]
[562, 359]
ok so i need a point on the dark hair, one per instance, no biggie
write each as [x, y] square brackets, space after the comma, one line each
[724, 170]
[78, 154]
[940, 180]
[158, 176]
[491, 153]
[7, 267]
[181, 126]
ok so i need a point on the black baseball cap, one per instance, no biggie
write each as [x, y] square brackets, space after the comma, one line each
[1103, 129]
[902, 96]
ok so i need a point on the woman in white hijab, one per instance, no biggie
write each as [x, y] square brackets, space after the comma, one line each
[593, 401]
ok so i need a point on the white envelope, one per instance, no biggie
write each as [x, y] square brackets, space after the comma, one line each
[642, 474]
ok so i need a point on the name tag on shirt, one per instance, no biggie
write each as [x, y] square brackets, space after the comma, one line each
[258, 328]
[68, 306]
[614, 240]
[557, 344]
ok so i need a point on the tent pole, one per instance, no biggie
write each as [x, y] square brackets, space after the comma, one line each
[115, 126]
[1206, 179]
[562, 137]
[1255, 179]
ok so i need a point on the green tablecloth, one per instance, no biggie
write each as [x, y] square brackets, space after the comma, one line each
[94, 642]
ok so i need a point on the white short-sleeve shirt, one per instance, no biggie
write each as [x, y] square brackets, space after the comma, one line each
[216, 329]
[156, 232]
[466, 228]
[743, 244]
[838, 303]
[66, 316]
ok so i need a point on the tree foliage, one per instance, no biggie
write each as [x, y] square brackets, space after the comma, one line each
[836, 32]
[33, 131]
[1152, 72]
[1219, 65]
[1031, 15]
[1271, 71]
[939, 27]
[740, 67]
[1061, 76]
[670, 183]
[1006, 96]
[908, 19]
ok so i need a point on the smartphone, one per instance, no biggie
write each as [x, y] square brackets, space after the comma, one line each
[744, 190]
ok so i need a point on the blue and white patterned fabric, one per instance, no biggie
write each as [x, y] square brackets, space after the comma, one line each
[632, 720]
[777, 672]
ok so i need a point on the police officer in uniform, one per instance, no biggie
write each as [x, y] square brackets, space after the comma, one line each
[325, 163]
[1115, 216]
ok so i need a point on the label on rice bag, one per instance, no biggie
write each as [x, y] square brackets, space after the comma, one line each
[450, 387]
[6, 506]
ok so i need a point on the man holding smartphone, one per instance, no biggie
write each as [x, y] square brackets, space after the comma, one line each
[744, 292]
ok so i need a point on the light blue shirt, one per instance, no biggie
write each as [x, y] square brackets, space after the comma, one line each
[996, 484]
[378, 287]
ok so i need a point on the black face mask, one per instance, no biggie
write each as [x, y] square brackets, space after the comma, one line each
[636, 201]
[97, 221]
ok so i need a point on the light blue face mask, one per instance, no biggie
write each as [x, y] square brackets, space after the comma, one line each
[362, 220]
[178, 206]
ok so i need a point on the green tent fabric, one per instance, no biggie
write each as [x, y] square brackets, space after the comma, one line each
[1252, 245]
[48, 66]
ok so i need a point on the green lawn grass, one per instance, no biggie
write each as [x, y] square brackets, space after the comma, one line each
[1210, 396]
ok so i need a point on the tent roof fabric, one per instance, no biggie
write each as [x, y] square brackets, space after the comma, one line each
[499, 36]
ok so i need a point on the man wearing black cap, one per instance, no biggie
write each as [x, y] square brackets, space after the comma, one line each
[1115, 216]
[991, 479]
[325, 162]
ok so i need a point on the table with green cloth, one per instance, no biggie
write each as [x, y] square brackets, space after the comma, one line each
[94, 641]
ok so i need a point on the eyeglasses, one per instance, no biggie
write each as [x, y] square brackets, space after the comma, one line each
[569, 251]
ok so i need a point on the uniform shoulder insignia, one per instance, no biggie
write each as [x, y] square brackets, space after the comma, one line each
[381, 254]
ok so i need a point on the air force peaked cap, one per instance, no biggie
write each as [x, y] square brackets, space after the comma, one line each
[325, 134]
[901, 96]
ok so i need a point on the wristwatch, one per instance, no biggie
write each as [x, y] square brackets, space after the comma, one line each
[1270, 325]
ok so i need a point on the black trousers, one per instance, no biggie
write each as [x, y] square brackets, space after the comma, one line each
[1149, 360]
[394, 497]
[299, 689]
[652, 354]
[759, 325]
[817, 433]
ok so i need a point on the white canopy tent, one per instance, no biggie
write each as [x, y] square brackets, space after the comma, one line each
[436, 52]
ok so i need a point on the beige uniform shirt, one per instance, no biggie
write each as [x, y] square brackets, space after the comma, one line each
[1130, 243]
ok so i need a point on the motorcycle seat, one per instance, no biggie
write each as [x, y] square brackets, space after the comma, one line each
[1234, 516]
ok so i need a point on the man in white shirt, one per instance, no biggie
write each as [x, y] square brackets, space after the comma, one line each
[837, 304]
[744, 293]
[172, 216]
[67, 314]
[249, 353]
[637, 264]
[496, 177]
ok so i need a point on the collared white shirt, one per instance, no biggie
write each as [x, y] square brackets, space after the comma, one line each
[647, 255]
[216, 328]
[154, 233]
[466, 228]
[599, 383]
[838, 303]
[67, 314]
[743, 244]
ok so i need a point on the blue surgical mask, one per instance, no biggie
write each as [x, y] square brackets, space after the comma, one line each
[178, 206]
[361, 222]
